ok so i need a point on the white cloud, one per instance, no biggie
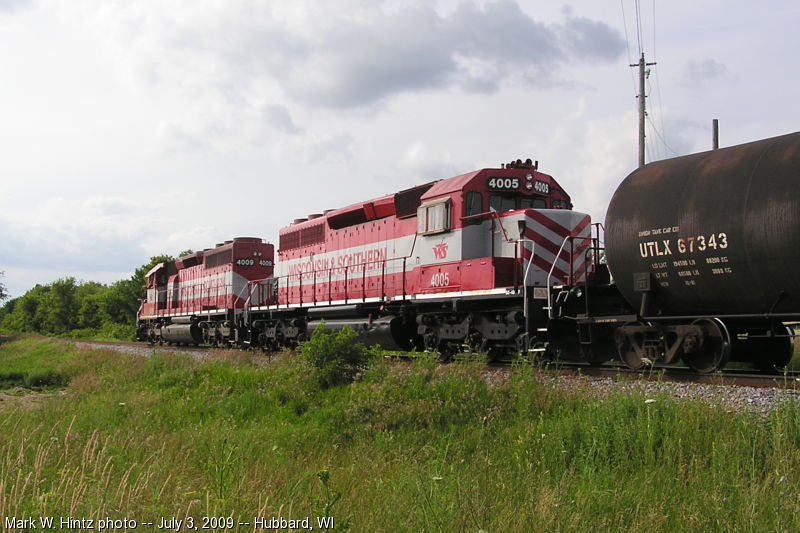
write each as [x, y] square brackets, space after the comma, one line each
[699, 74]
[136, 128]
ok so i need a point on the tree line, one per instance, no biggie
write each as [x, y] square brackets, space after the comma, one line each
[81, 309]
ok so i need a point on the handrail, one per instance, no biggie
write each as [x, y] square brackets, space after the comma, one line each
[496, 215]
[525, 282]
[348, 270]
[550, 275]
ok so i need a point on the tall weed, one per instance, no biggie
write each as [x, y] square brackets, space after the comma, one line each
[415, 446]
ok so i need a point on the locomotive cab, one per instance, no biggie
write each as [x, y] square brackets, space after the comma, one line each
[469, 229]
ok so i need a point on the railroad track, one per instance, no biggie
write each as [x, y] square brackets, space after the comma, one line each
[788, 380]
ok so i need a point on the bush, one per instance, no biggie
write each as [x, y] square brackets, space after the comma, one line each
[335, 357]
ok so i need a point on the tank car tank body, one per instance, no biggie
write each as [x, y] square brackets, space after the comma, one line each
[718, 233]
[704, 248]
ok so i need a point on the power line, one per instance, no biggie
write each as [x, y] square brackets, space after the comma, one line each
[661, 138]
[658, 87]
[627, 43]
[638, 26]
[642, 91]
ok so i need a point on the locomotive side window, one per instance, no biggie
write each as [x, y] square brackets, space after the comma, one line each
[433, 217]
[473, 204]
[218, 258]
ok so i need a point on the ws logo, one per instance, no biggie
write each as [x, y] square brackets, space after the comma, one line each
[440, 250]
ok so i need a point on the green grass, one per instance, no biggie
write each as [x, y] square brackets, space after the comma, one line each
[36, 364]
[410, 447]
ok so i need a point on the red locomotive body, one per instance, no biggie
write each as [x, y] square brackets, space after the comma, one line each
[456, 236]
[391, 262]
[191, 298]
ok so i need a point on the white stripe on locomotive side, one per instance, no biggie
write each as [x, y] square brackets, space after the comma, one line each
[382, 257]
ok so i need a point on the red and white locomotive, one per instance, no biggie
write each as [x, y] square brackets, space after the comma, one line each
[451, 264]
[195, 299]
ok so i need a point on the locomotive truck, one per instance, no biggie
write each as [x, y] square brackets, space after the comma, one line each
[700, 253]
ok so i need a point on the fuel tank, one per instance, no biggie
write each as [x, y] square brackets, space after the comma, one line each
[389, 332]
[185, 333]
[712, 234]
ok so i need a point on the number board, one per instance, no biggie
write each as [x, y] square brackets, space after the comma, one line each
[249, 261]
[541, 187]
[503, 184]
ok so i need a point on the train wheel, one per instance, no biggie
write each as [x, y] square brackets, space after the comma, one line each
[494, 352]
[431, 341]
[629, 346]
[447, 351]
[475, 343]
[715, 349]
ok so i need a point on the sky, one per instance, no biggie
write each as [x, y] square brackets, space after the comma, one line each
[132, 128]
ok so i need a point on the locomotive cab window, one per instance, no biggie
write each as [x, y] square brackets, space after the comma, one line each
[434, 217]
[560, 204]
[532, 202]
[502, 203]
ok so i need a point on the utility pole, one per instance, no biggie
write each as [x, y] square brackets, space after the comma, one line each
[643, 73]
